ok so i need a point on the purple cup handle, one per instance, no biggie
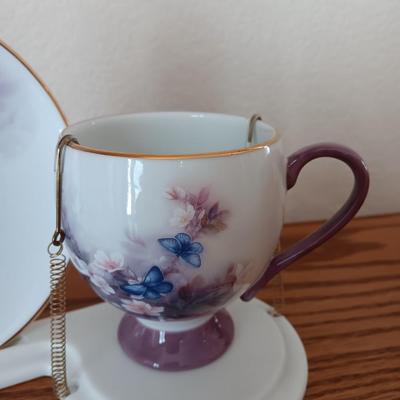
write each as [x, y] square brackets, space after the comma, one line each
[360, 189]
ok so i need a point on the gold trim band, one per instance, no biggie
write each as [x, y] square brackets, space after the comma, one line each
[212, 154]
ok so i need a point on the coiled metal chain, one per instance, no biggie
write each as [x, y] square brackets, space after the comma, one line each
[58, 264]
[57, 321]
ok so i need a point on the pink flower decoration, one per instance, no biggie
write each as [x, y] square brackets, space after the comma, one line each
[80, 265]
[183, 216]
[175, 194]
[140, 307]
[101, 283]
[112, 263]
[197, 214]
[201, 215]
[203, 196]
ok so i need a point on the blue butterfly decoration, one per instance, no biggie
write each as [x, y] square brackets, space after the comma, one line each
[183, 246]
[152, 287]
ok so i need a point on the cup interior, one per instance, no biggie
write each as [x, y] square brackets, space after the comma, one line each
[167, 133]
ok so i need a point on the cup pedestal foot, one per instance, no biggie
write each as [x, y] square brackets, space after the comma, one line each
[175, 350]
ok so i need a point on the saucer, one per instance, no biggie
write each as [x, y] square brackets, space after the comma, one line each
[30, 123]
[266, 360]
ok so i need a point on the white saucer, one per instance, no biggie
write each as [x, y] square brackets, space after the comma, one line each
[30, 122]
[266, 361]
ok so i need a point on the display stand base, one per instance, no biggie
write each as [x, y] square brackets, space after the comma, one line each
[266, 360]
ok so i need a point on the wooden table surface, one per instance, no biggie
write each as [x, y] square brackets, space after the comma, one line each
[343, 299]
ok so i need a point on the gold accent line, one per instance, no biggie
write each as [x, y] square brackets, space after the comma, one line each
[36, 76]
[64, 118]
[225, 153]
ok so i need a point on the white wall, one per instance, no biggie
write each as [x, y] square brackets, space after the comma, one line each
[317, 70]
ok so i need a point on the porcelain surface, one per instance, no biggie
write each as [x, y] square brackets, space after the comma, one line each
[172, 239]
[30, 124]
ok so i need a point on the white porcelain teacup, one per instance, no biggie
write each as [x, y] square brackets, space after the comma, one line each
[172, 215]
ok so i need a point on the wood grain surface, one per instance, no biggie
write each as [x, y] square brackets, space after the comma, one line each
[343, 299]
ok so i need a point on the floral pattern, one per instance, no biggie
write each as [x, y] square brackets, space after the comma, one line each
[112, 263]
[196, 214]
[183, 246]
[101, 283]
[140, 307]
[183, 216]
[152, 287]
[156, 277]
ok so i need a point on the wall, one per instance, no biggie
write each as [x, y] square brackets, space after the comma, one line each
[317, 70]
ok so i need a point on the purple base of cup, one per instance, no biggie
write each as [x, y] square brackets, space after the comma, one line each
[176, 351]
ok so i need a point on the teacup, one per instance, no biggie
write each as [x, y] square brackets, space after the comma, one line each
[170, 216]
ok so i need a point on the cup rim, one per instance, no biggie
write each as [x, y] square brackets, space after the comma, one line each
[212, 154]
